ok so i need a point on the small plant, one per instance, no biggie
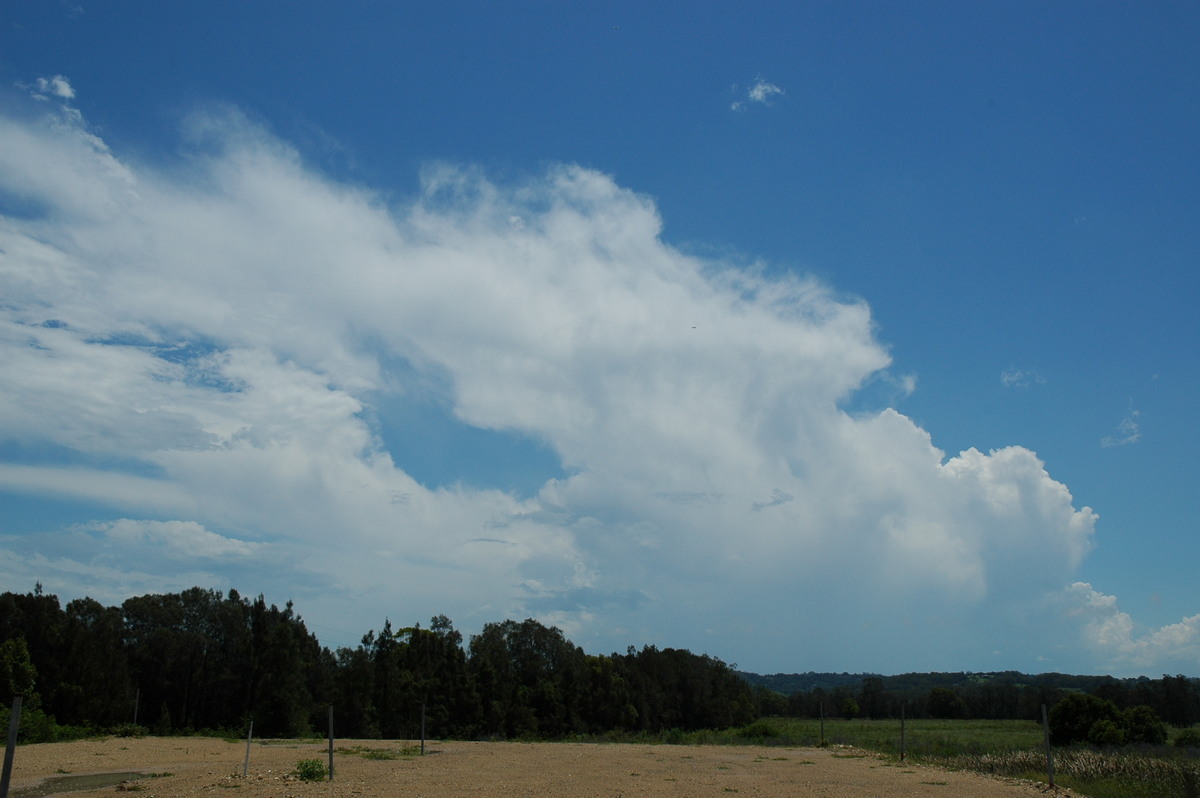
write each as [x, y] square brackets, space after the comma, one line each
[310, 770]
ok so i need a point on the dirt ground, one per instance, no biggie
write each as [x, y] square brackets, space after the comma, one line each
[194, 766]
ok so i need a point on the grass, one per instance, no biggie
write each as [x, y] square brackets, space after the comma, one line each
[379, 753]
[1004, 748]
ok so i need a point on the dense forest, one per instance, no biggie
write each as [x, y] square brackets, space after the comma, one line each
[200, 660]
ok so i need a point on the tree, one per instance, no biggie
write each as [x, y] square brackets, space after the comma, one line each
[1141, 724]
[1072, 718]
[945, 702]
[17, 674]
[95, 687]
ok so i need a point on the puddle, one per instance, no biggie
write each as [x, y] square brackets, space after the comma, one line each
[90, 781]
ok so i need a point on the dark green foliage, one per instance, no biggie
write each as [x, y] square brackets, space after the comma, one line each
[1141, 724]
[1105, 733]
[1073, 718]
[17, 674]
[199, 660]
[1188, 738]
[945, 702]
[979, 696]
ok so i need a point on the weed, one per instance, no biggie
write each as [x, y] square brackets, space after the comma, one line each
[310, 770]
[379, 753]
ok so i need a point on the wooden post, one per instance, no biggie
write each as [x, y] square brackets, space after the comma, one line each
[1049, 756]
[331, 742]
[14, 723]
[422, 728]
[249, 737]
[901, 731]
[822, 744]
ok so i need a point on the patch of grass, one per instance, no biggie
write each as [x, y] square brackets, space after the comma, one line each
[310, 770]
[1161, 772]
[379, 753]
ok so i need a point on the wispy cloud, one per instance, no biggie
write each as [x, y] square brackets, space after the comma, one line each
[186, 539]
[1127, 432]
[1020, 378]
[761, 93]
[57, 86]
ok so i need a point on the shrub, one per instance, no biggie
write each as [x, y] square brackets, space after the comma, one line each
[310, 770]
[129, 730]
[1188, 738]
[1105, 732]
[1141, 724]
[1072, 718]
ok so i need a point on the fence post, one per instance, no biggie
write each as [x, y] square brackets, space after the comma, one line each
[249, 737]
[14, 723]
[1049, 756]
[331, 742]
[822, 743]
[901, 731]
[422, 728]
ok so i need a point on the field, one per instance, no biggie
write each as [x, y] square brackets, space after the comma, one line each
[192, 766]
[1007, 747]
[771, 757]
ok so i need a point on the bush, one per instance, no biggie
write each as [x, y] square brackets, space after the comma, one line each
[1105, 733]
[1072, 718]
[129, 730]
[1141, 724]
[310, 770]
[1188, 738]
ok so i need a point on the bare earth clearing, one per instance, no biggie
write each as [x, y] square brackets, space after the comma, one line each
[203, 766]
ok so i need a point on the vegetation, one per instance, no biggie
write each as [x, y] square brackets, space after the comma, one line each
[310, 770]
[202, 661]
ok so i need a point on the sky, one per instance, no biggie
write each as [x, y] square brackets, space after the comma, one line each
[830, 336]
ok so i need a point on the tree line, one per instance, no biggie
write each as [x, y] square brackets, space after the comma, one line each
[990, 696]
[203, 660]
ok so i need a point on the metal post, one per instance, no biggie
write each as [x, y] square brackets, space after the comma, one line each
[822, 723]
[331, 742]
[14, 723]
[249, 737]
[422, 728]
[1049, 756]
[901, 731]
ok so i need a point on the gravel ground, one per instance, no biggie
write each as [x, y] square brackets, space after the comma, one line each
[188, 766]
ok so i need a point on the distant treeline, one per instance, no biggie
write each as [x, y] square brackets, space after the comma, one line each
[992, 696]
[200, 660]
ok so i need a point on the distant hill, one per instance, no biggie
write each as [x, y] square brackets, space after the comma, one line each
[909, 683]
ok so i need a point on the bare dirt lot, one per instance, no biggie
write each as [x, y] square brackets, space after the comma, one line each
[190, 766]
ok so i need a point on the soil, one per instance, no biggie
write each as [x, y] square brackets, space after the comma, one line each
[195, 766]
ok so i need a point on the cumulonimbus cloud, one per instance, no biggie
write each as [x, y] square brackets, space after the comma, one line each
[227, 327]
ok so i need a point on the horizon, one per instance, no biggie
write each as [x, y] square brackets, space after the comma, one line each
[838, 333]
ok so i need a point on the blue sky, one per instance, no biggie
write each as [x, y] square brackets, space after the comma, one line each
[821, 336]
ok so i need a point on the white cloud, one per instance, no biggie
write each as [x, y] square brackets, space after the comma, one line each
[1127, 432]
[1117, 640]
[1020, 378]
[178, 538]
[761, 92]
[57, 86]
[212, 343]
